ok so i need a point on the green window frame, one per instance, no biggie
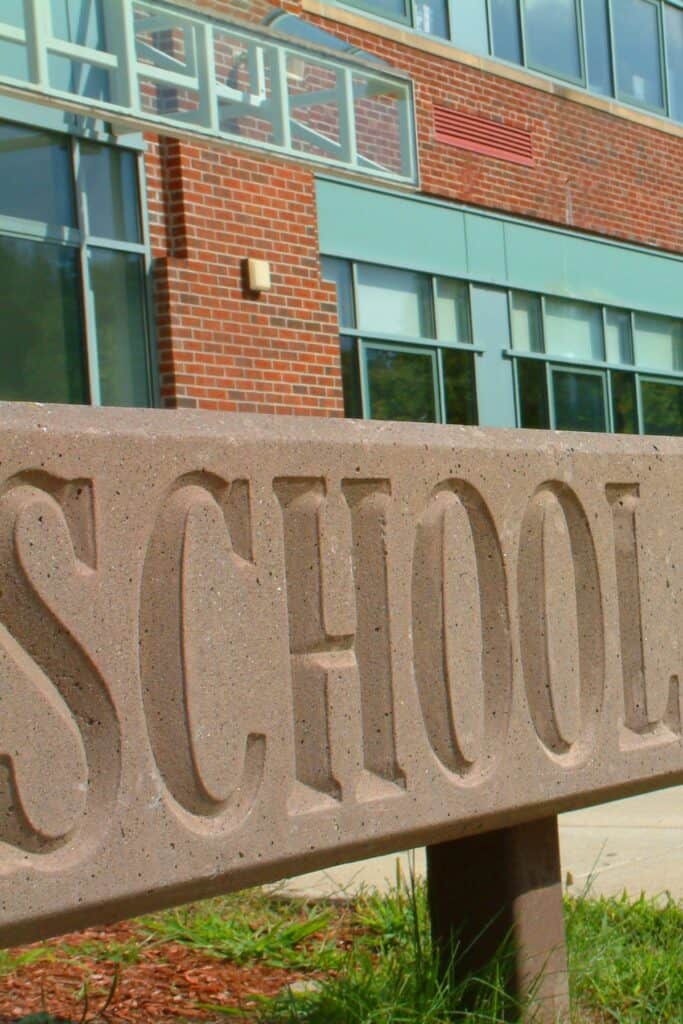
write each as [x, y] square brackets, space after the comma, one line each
[453, 376]
[472, 25]
[110, 265]
[571, 364]
[623, 381]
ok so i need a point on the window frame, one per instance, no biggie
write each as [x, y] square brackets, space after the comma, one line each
[80, 239]
[364, 339]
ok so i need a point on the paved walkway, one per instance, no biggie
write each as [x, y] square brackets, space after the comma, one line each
[634, 845]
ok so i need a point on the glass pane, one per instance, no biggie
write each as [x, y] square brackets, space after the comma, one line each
[13, 13]
[117, 282]
[35, 171]
[42, 345]
[624, 408]
[533, 400]
[552, 37]
[505, 29]
[400, 385]
[13, 56]
[385, 8]
[394, 302]
[579, 401]
[527, 333]
[431, 16]
[618, 344]
[110, 183]
[79, 21]
[658, 342]
[662, 407]
[573, 329]
[353, 406]
[459, 386]
[14, 60]
[315, 115]
[596, 19]
[673, 32]
[242, 66]
[453, 310]
[339, 273]
[636, 41]
[381, 113]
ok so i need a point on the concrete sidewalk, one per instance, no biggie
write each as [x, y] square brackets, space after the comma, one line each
[634, 845]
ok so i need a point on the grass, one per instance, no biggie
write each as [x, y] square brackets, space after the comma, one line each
[371, 962]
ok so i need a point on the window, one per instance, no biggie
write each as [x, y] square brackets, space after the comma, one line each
[71, 233]
[629, 49]
[158, 65]
[552, 37]
[631, 380]
[428, 348]
[406, 344]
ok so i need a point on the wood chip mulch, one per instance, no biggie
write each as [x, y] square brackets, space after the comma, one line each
[167, 984]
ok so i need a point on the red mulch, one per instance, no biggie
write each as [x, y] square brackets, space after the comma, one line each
[164, 986]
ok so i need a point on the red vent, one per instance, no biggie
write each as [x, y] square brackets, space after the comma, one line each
[482, 136]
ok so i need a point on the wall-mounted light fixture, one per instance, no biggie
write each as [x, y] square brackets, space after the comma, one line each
[258, 275]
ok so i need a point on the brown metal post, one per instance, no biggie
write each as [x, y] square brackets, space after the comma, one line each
[498, 886]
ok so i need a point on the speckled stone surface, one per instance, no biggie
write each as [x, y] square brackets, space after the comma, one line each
[233, 649]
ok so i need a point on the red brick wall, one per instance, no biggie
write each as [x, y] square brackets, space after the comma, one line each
[220, 346]
[211, 207]
[592, 171]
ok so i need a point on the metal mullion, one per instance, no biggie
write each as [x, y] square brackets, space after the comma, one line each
[151, 347]
[417, 343]
[639, 405]
[612, 49]
[87, 295]
[407, 138]
[282, 132]
[120, 29]
[522, 30]
[489, 25]
[440, 386]
[135, 248]
[583, 49]
[515, 384]
[38, 19]
[206, 76]
[366, 407]
[610, 401]
[84, 54]
[347, 116]
[551, 395]
[543, 330]
[664, 59]
[41, 231]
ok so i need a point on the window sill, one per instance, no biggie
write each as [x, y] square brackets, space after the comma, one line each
[447, 51]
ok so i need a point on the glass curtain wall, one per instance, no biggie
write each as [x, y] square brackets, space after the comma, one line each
[409, 351]
[628, 49]
[73, 270]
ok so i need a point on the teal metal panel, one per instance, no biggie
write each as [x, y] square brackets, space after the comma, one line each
[378, 227]
[469, 27]
[362, 223]
[485, 248]
[495, 382]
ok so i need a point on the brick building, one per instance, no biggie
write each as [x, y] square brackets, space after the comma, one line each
[471, 211]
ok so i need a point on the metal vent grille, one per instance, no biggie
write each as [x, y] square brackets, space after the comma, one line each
[479, 134]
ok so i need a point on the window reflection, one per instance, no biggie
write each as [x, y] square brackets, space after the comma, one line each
[636, 37]
[552, 37]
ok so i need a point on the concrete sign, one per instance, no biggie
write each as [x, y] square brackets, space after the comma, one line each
[234, 648]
